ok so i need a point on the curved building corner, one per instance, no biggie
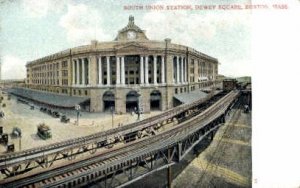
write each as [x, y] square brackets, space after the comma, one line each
[131, 71]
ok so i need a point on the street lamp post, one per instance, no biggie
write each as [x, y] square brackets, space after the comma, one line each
[138, 106]
[77, 108]
[20, 144]
[112, 116]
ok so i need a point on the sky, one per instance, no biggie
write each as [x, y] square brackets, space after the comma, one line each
[31, 29]
[262, 43]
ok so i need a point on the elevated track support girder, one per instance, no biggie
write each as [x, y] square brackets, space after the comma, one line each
[121, 166]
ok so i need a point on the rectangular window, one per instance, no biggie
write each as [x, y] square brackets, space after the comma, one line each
[64, 64]
[64, 72]
[65, 82]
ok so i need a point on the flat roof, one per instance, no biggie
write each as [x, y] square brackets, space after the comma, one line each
[65, 101]
[190, 97]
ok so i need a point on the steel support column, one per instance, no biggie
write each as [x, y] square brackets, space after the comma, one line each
[169, 170]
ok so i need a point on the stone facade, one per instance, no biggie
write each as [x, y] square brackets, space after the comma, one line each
[131, 71]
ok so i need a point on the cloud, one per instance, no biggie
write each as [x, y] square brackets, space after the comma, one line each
[82, 24]
[12, 67]
[192, 26]
[222, 34]
[236, 68]
[41, 8]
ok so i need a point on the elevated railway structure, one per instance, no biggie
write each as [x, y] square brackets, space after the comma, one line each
[144, 146]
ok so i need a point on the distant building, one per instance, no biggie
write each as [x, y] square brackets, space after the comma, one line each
[128, 72]
[229, 84]
[11, 83]
[220, 77]
[246, 79]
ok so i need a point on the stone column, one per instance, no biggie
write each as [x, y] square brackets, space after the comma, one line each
[118, 71]
[73, 72]
[77, 74]
[142, 70]
[108, 70]
[155, 70]
[122, 70]
[89, 63]
[120, 103]
[144, 100]
[146, 71]
[70, 76]
[96, 105]
[184, 69]
[163, 69]
[92, 70]
[181, 70]
[213, 72]
[177, 70]
[99, 71]
[83, 72]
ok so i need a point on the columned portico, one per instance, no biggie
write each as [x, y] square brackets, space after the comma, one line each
[82, 71]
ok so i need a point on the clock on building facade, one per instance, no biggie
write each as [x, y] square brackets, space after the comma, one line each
[131, 35]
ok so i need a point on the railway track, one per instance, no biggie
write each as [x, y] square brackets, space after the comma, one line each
[100, 136]
[213, 164]
[7, 160]
[115, 157]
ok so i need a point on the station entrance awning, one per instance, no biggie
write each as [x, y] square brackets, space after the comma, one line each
[58, 100]
[187, 98]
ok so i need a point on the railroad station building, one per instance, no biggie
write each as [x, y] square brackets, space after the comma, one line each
[125, 73]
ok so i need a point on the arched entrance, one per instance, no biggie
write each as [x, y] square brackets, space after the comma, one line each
[108, 100]
[132, 98]
[155, 100]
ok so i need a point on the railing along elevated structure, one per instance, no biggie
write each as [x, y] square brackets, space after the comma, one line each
[9, 162]
[153, 153]
[121, 166]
